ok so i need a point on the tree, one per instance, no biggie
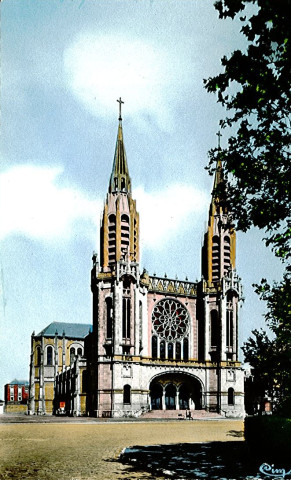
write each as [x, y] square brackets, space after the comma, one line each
[255, 90]
[271, 359]
[260, 353]
[278, 319]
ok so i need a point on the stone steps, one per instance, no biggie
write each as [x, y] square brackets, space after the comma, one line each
[180, 414]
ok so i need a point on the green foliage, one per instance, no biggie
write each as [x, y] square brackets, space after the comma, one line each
[271, 359]
[278, 319]
[255, 90]
[260, 353]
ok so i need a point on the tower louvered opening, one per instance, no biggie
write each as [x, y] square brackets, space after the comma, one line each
[111, 239]
[215, 258]
[226, 254]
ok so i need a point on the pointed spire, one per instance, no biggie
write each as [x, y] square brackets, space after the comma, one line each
[120, 179]
[218, 179]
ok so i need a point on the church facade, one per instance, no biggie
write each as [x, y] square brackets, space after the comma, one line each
[156, 343]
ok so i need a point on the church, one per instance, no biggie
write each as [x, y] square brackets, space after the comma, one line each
[155, 343]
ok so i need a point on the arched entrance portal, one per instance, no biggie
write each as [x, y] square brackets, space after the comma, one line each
[156, 396]
[176, 392]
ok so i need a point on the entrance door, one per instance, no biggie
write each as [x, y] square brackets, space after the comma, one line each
[184, 396]
[170, 398]
[156, 396]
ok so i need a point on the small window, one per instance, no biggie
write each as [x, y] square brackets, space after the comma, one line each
[230, 396]
[178, 351]
[79, 352]
[154, 347]
[215, 337]
[162, 350]
[126, 317]
[49, 355]
[170, 351]
[12, 394]
[186, 349]
[37, 356]
[127, 394]
[72, 354]
[109, 317]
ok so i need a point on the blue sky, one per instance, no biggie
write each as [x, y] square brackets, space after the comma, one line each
[64, 64]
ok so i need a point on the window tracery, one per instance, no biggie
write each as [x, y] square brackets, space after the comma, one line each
[170, 319]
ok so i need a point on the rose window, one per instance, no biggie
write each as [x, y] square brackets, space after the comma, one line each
[170, 319]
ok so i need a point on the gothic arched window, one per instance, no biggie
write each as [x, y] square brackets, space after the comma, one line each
[162, 350]
[214, 328]
[125, 317]
[229, 322]
[140, 326]
[108, 317]
[170, 351]
[127, 394]
[230, 396]
[49, 355]
[185, 349]
[154, 347]
[72, 354]
[178, 351]
[37, 356]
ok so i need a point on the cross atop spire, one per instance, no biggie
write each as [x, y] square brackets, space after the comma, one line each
[219, 136]
[120, 103]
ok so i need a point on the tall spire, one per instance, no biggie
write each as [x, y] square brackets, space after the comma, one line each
[120, 179]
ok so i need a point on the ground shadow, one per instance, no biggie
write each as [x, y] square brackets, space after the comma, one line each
[213, 460]
[235, 433]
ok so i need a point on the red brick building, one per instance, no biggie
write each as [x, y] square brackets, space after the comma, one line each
[16, 395]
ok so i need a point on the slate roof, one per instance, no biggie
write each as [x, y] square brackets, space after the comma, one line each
[19, 382]
[71, 330]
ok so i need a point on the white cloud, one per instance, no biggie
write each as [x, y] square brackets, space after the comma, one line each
[33, 204]
[165, 213]
[101, 68]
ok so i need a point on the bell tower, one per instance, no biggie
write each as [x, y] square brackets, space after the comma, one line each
[221, 283]
[119, 233]
[117, 298]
